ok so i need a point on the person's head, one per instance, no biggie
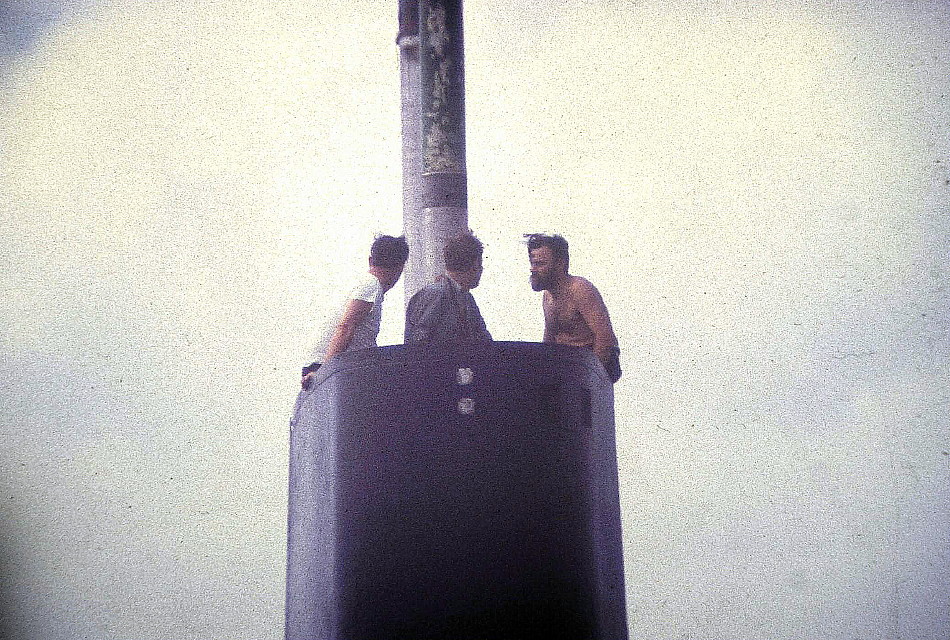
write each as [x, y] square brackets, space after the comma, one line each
[463, 259]
[387, 257]
[549, 259]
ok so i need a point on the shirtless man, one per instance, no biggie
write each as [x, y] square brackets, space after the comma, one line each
[574, 312]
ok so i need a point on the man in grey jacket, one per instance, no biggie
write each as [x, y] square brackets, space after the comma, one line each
[445, 310]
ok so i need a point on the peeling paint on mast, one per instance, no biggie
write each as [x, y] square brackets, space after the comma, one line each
[434, 175]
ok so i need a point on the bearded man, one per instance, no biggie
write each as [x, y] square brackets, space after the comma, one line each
[574, 312]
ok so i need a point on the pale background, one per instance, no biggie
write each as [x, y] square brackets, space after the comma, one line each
[759, 191]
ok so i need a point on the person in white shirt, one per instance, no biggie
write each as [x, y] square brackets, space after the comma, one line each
[358, 323]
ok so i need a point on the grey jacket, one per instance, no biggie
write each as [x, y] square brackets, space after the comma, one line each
[442, 312]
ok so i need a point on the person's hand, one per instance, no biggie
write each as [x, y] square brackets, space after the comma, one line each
[307, 380]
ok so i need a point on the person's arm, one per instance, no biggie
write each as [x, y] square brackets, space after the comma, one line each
[481, 329]
[546, 303]
[307, 374]
[422, 315]
[592, 308]
[353, 315]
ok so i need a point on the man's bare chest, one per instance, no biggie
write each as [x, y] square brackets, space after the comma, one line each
[565, 317]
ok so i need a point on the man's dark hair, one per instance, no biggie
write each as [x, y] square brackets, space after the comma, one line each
[389, 252]
[557, 244]
[462, 252]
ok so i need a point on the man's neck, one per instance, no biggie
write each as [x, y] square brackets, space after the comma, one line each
[559, 286]
[453, 276]
[380, 275]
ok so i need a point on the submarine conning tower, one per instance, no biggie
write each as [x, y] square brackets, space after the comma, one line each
[456, 492]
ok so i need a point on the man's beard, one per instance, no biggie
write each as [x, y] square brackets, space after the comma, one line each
[538, 283]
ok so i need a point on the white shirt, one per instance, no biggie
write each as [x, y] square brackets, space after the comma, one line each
[369, 290]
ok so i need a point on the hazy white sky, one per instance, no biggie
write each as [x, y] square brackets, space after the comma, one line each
[760, 192]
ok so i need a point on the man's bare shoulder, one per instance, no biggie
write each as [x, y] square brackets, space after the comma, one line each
[585, 295]
[581, 287]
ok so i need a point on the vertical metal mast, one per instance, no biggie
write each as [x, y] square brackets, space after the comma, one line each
[415, 276]
[435, 202]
